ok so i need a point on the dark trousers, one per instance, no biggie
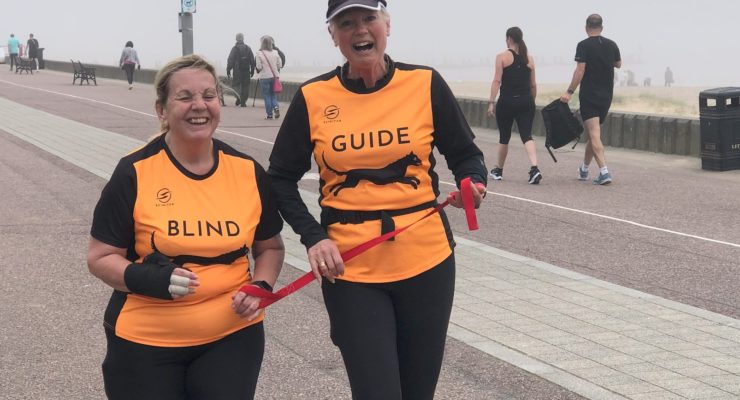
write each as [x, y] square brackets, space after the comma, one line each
[129, 68]
[226, 369]
[392, 335]
[241, 86]
[13, 60]
[515, 108]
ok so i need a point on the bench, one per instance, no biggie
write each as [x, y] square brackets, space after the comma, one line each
[83, 73]
[24, 64]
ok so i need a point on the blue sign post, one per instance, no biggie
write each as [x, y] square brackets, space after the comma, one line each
[186, 25]
[188, 6]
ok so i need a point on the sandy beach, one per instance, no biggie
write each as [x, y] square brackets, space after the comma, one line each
[674, 101]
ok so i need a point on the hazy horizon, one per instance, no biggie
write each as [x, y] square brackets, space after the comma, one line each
[698, 40]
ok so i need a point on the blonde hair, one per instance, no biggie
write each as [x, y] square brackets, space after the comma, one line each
[162, 80]
[266, 43]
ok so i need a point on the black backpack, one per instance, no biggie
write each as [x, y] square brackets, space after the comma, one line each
[561, 126]
[281, 54]
[243, 60]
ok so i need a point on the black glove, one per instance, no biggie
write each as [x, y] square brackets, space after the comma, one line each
[151, 277]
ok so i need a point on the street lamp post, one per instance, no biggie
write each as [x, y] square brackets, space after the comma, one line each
[186, 25]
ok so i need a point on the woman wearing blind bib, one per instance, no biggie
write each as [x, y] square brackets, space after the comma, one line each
[171, 234]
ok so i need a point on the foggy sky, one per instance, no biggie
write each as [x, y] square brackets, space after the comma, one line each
[699, 40]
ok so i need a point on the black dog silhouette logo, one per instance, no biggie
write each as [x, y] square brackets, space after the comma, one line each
[391, 173]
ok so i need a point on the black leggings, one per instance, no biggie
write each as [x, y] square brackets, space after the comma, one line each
[519, 108]
[129, 68]
[392, 335]
[225, 369]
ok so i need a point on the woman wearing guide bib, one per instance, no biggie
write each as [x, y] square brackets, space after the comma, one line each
[371, 126]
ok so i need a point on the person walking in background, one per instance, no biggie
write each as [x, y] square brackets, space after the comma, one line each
[597, 57]
[241, 61]
[282, 60]
[128, 61]
[515, 76]
[389, 307]
[13, 49]
[274, 47]
[631, 78]
[170, 234]
[33, 50]
[268, 68]
[668, 77]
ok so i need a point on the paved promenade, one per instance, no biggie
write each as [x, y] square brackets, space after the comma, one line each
[562, 333]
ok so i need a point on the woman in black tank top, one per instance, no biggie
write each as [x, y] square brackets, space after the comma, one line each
[515, 78]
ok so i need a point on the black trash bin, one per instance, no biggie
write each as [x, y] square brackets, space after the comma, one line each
[719, 116]
[40, 57]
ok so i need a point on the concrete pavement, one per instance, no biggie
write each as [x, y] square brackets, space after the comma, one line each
[590, 337]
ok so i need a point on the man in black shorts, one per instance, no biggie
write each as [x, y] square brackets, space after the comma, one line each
[597, 57]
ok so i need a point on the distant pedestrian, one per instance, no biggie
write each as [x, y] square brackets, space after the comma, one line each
[621, 77]
[13, 49]
[129, 60]
[668, 77]
[241, 61]
[631, 78]
[268, 68]
[516, 78]
[597, 57]
[274, 46]
[33, 50]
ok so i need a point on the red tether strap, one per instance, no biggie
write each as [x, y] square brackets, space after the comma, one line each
[466, 190]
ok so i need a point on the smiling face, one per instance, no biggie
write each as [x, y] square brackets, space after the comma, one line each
[192, 109]
[361, 35]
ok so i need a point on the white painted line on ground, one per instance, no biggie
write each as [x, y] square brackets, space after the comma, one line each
[592, 214]
[625, 221]
[122, 108]
[79, 98]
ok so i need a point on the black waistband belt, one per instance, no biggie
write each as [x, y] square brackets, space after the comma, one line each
[332, 215]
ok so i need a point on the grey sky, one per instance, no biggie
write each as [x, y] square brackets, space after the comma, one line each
[697, 39]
